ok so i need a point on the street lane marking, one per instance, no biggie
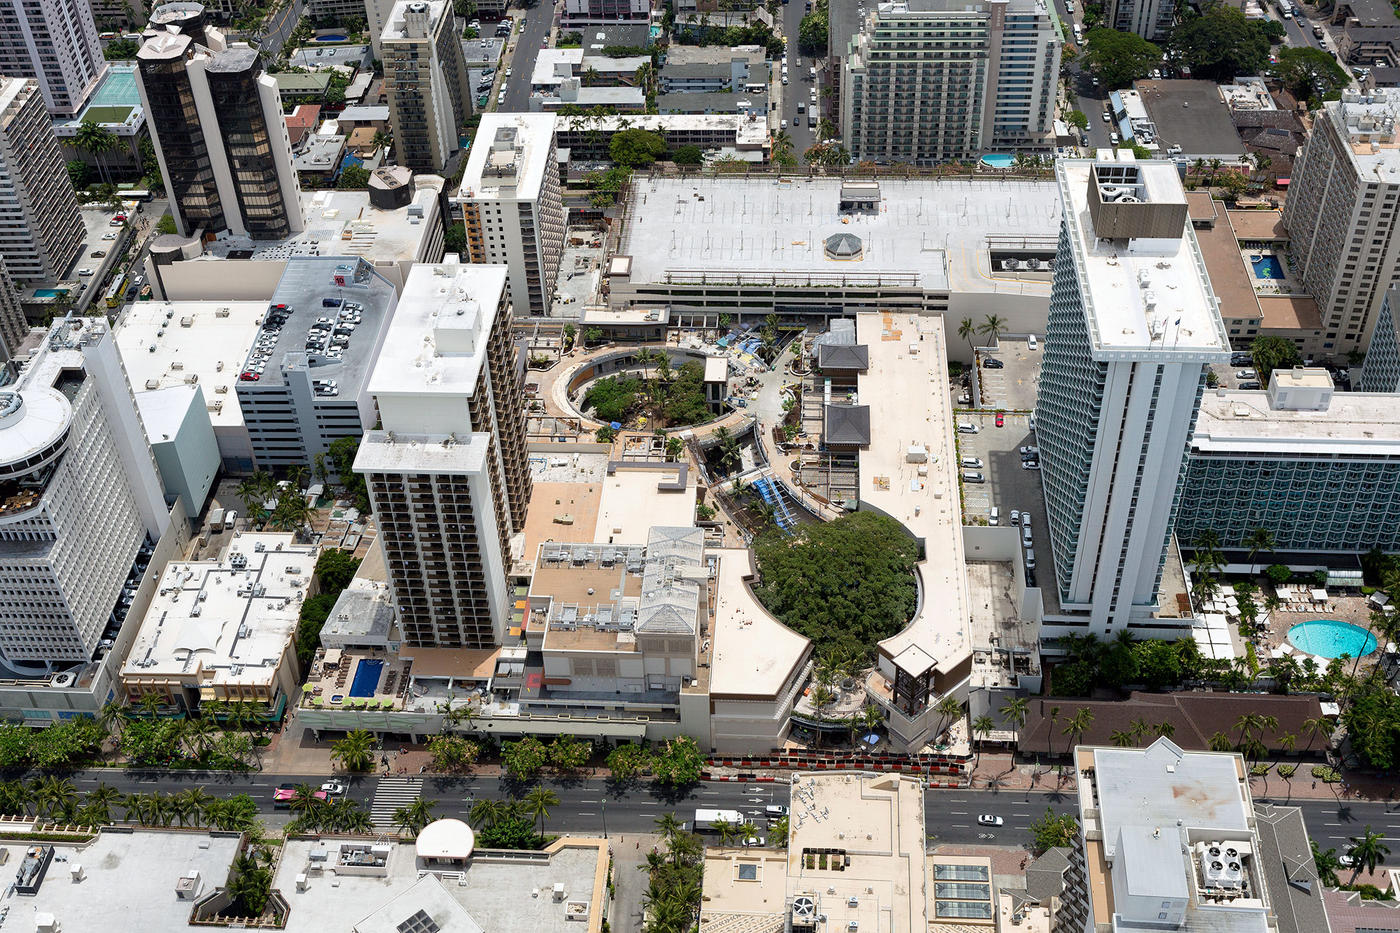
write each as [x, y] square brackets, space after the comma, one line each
[958, 812]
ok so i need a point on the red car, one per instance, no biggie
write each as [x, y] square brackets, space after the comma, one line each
[1001, 419]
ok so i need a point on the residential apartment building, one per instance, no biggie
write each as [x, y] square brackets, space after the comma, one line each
[81, 496]
[117, 15]
[1319, 469]
[425, 78]
[55, 43]
[303, 384]
[1340, 213]
[511, 203]
[605, 12]
[13, 326]
[1172, 840]
[926, 81]
[715, 69]
[41, 233]
[1133, 326]
[447, 468]
[1151, 19]
[219, 135]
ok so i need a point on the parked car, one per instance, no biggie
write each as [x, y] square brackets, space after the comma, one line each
[973, 476]
[1015, 516]
[993, 363]
[1001, 419]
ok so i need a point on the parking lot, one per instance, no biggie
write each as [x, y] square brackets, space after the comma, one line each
[1014, 386]
[1007, 484]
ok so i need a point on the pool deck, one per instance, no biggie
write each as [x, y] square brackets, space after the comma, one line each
[1352, 609]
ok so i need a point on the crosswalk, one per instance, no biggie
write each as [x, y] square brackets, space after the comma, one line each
[392, 793]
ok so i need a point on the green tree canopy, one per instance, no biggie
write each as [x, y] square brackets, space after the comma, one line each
[1220, 43]
[636, 147]
[166, 224]
[353, 177]
[1271, 353]
[1120, 58]
[1078, 119]
[1052, 830]
[845, 584]
[1309, 74]
[688, 155]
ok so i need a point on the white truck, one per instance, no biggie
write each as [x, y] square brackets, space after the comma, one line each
[706, 819]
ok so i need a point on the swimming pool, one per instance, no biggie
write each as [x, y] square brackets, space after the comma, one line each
[366, 678]
[50, 292]
[331, 37]
[1331, 638]
[998, 160]
[1266, 267]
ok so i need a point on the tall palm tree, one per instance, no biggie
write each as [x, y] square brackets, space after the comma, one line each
[1165, 729]
[1327, 863]
[355, 752]
[132, 806]
[537, 804]
[668, 826]
[993, 326]
[200, 734]
[111, 715]
[1220, 742]
[1251, 728]
[304, 800]
[982, 726]
[1122, 738]
[1260, 540]
[948, 710]
[96, 140]
[967, 330]
[200, 802]
[412, 818]
[55, 797]
[1050, 737]
[99, 802]
[725, 830]
[1367, 851]
[487, 812]
[1079, 724]
[1014, 711]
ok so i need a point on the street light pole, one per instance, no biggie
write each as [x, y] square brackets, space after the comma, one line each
[605, 819]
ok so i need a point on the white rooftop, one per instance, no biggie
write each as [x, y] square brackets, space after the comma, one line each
[394, 22]
[227, 621]
[903, 386]
[33, 414]
[508, 160]
[554, 65]
[1144, 294]
[754, 654]
[1369, 121]
[204, 340]
[749, 132]
[436, 342]
[387, 452]
[1353, 424]
[163, 410]
[929, 234]
[1161, 784]
[131, 876]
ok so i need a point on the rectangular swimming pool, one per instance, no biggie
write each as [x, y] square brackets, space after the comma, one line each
[366, 678]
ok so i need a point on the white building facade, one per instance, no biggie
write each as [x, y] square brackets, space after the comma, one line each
[82, 494]
[425, 79]
[1133, 325]
[55, 43]
[512, 206]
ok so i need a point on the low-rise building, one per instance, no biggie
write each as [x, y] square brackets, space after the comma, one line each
[710, 69]
[1190, 118]
[746, 104]
[744, 136]
[586, 12]
[855, 855]
[224, 629]
[386, 232]
[1318, 468]
[553, 67]
[1169, 839]
[296, 86]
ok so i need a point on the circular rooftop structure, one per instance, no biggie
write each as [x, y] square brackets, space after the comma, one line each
[33, 428]
[446, 840]
[844, 246]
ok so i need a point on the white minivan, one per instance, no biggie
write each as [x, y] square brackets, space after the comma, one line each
[995, 517]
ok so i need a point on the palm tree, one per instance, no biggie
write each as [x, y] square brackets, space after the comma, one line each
[200, 802]
[1122, 738]
[96, 140]
[412, 818]
[381, 140]
[993, 327]
[725, 830]
[355, 752]
[1251, 728]
[967, 330]
[132, 807]
[728, 446]
[1327, 863]
[15, 798]
[1079, 724]
[304, 799]
[668, 826]
[1260, 540]
[1220, 742]
[537, 804]
[250, 884]
[981, 726]
[150, 705]
[199, 735]
[948, 709]
[99, 802]
[1367, 851]
[111, 715]
[1015, 711]
[487, 813]
[1050, 737]
[55, 797]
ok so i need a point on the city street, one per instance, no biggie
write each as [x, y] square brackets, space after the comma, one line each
[520, 57]
[798, 90]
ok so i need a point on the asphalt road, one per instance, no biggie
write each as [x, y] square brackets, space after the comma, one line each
[799, 86]
[280, 26]
[520, 58]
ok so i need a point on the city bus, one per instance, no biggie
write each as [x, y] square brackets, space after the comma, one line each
[117, 292]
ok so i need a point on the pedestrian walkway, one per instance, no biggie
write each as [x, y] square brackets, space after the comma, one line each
[390, 794]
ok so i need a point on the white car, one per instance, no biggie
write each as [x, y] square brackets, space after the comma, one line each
[333, 788]
[507, 72]
[85, 272]
[987, 819]
[755, 842]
